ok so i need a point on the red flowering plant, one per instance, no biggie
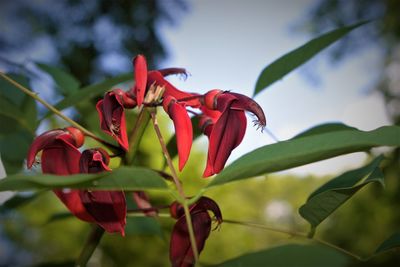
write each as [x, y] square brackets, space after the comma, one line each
[98, 176]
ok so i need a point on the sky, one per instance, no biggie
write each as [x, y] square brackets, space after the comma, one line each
[226, 44]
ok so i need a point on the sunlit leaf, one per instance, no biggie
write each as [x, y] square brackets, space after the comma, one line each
[126, 178]
[290, 61]
[291, 255]
[64, 81]
[325, 128]
[300, 151]
[392, 242]
[330, 196]
[59, 217]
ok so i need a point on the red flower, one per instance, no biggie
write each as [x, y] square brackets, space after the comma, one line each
[107, 208]
[227, 128]
[60, 155]
[112, 115]
[181, 253]
[183, 127]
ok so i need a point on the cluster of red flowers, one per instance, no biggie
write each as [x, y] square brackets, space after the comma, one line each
[222, 120]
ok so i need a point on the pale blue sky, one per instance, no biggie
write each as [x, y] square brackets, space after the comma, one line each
[226, 44]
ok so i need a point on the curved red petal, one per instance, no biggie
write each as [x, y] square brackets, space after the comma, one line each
[183, 130]
[181, 253]
[206, 203]
[40, 143]
[60, 156]
[170, 90]
[140, 72]
[108, 208]
[72, 200]
[173, 71]
[248, 104]
[112, 118]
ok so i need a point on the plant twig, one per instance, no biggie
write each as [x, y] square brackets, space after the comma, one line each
[90, 246]
[296, 234]
[179, 187]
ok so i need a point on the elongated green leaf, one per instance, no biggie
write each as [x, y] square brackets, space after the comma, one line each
[300, 151]
[291, 255]
[64, 81]
[290, 61]
[126, 178]
[392, 242]
[329, 197]
[59, 217]
[325, 128]
[91, 91]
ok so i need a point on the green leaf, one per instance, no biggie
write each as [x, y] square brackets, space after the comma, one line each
[291, 255]
[123, 178]
[392, 242]
[330, 196]
[300, 151]
[290, 61]
[91, 91]
[325, 128]
[59, 217]
[64, 81]
[142, 226]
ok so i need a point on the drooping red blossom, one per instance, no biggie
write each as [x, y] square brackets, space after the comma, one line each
[60, 155]
[181, 253]
[107, 208]
[112, 115]
[227, 128]
[143, 202]
[183, 127]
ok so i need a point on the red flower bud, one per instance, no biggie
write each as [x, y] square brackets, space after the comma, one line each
[140, 68]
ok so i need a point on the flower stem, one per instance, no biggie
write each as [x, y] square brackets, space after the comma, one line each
[179, 187]
[296, 234]
[90, 246]
[54, 110]
[136, 135]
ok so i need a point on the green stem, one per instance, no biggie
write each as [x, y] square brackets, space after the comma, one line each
[90, 246]
[136, 135]
[54, 110]
[179, 187]
[296, 234]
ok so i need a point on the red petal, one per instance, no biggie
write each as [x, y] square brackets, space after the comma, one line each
[140, 68]
[181, 253]
[112, 118]
[248, 104]
[226, 134]
[108, 208]
[156, 77]
[173, 71]
[143, 202]
[61, 157]
[205, 203]
[94, 161]
[72, 201]
[40, 143]
[183, 128]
